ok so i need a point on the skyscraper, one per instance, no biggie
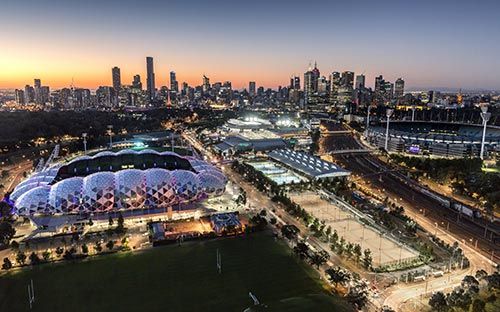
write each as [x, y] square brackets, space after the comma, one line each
[399, 88]
[37, 91]
[19, 96]
[334, 87]
[251, 88]
[174, 85]
[117, 82]
[360, 82]
[150, 79]
[136, 83]
[206, 84]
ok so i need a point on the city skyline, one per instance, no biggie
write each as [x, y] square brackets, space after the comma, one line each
[267, 46]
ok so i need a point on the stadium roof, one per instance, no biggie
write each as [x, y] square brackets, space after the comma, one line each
[308, 165]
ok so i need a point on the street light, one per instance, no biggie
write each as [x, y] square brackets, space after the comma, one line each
[110, 133]
[485, 116]
[84, 136]
[388, 113]
[413, 108]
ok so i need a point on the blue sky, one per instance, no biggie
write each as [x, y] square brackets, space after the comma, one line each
[428, 43]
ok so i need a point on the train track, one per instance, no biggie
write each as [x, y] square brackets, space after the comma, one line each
[394, 187]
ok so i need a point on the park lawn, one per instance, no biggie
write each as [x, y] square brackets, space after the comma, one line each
[175, 278]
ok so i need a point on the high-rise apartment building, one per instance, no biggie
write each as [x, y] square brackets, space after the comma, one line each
[117, 82]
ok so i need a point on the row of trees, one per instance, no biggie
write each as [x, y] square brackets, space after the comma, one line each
[479, 293]
[60, 253]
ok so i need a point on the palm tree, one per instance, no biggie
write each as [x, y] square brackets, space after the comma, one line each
[337, 275]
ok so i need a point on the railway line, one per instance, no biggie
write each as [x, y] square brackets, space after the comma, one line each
[463, 228]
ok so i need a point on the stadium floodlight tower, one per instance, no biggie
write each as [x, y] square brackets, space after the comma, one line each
[367, 119]
[388, 113]
[486, 117]
[110, 133]
[84, 136]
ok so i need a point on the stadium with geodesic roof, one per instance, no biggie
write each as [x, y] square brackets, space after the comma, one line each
[125, 180]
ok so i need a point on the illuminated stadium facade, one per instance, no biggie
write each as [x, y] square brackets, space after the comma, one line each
[109, 182]
[435, 138]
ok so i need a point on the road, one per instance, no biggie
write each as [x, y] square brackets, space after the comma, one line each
[398, 294]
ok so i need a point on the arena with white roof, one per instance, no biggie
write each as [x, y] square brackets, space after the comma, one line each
[125, 180]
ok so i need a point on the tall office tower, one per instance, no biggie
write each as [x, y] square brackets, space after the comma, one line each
[19, 96]
[43, 94]
[251, 88]
[37, 86]
[308, 86]
[379, 81]
[117, 81]
[388, 92]
[334, 87]
[399, 88]
[296, 83]
[29, 94]
[150, 79]
[347, 79]
[136, 83]
[291, 82]
[345, 93]
[322, 85]
[360, 81]
[174, 84]
[185, 88]
[206, 84]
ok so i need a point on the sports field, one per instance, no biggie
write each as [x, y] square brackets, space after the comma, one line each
[173, 278]
[384, 250]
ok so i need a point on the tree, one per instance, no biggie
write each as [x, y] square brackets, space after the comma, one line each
[20, 257]
[459, 298]
[335, 237]
[98, 247]
[357, 252]
[14, 245]
[438, 302]
[478, 305]
[328, 232]
[320, 258]
[358, 295]
[46, 256]
[110, 244]
[85, 249]
[120, 228]
[470, 284]
[5, 209]
[367, 259]
[6, 232]
[301, 249]
[34, 259]
[7, 264]
[59, 251]
[337, 275]
[70, 253]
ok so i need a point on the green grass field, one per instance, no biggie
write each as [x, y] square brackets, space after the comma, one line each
[173, 278]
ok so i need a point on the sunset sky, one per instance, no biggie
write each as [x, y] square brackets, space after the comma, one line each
[428, 43]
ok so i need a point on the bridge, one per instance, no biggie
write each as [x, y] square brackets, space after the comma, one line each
[350, 151]
[331, 132]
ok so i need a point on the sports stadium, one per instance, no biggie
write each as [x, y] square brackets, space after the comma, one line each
[118, 181]
[441, 139]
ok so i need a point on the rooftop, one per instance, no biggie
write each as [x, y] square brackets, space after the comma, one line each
[308, 165]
